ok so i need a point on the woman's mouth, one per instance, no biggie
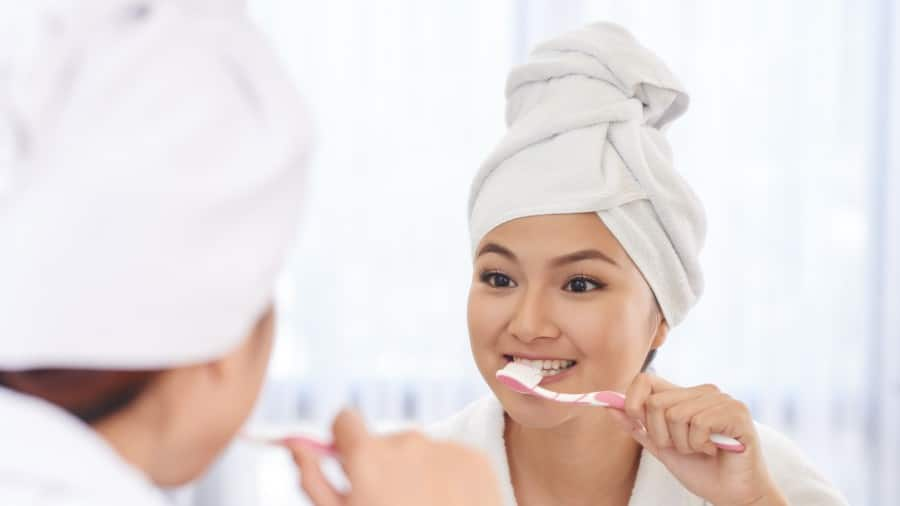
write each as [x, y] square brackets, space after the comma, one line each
[545, 366]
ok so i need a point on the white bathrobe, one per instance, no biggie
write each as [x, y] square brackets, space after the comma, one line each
[50, 458]
[481, 425]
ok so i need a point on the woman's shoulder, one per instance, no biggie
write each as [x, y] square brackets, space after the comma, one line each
[794, 473]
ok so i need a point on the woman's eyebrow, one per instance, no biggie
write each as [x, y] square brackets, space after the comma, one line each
[493, 247]
[586, 254]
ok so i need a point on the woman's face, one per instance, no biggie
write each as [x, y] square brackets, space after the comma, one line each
[559, 289]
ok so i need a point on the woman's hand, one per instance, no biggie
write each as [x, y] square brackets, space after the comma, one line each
[397, 470]
[679, 422]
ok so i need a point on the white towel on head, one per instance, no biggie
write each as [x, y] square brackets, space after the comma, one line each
[585, 117]
[154, 184]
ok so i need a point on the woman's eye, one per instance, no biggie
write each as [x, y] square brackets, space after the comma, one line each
[497, 280]
[581, 284]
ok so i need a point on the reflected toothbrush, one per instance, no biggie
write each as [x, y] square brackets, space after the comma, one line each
[322, 449]
[526, 380]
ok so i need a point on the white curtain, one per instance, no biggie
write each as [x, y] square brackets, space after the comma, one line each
[790, 140]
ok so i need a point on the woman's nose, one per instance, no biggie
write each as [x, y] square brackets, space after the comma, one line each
[532, 319]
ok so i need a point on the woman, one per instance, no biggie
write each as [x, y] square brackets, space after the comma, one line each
[585, 244]
[153, 190]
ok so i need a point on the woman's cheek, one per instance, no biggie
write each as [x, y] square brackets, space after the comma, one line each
[485, 319]
[605, 337]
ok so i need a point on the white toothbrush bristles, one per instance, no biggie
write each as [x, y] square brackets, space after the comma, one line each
[527, 377]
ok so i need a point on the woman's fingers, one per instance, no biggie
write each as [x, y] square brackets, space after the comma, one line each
[636, 395]
[409, 469]
[730, 417]
[669, 414]
[642, 437]
[350, 432]
[657, 425]
[682, 418]
[648, 398]
[312, 480]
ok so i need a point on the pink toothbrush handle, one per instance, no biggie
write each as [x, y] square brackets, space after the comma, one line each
[323, 449]
[729, 444]
[617, 401]
[607, 399]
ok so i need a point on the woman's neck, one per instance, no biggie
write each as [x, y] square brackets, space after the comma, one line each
[136, 442]
[586, 461]
[145, 435]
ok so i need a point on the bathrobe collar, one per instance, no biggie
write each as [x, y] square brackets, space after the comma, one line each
[50, 457]
[481, 425]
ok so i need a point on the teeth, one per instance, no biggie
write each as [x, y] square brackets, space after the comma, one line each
[550, 372]
[546, 367]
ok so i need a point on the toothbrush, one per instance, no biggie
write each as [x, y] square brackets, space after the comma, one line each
[525, 380]
[323, 449]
